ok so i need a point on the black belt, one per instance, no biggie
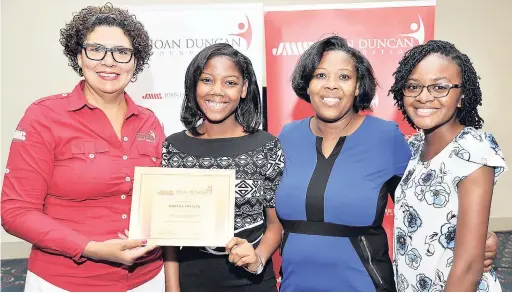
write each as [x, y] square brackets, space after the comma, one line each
[324, 229]
[329, 229]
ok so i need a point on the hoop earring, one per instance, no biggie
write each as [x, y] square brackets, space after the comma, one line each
[134, 78]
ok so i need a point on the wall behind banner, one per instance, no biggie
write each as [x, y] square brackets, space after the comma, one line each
[33, 66]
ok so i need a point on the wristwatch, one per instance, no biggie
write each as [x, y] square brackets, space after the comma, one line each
[260, 267]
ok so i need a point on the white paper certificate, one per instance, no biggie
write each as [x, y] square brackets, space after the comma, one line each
[183, 207]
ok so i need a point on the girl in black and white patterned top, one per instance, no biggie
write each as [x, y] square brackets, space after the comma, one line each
[222, 113]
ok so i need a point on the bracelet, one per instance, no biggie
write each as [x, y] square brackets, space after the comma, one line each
[260, 267]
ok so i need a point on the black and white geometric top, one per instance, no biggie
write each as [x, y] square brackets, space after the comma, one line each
[258, 161]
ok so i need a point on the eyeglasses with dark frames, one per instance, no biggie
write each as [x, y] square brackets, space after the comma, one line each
[437, 90]
[97, 52]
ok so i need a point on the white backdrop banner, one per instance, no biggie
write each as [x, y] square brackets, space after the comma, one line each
[178, 33]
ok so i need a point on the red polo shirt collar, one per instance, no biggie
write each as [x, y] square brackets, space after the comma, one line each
[77, 100]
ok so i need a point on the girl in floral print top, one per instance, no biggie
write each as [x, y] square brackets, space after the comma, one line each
[442, 204]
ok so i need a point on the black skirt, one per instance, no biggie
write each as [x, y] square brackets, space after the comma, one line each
[201, 271]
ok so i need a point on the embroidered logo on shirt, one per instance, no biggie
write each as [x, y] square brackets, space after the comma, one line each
[149, 137]
[19, 135]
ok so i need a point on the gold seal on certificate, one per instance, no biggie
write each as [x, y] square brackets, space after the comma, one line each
[183, 207]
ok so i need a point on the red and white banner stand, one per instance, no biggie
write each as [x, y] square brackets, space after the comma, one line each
[382, 31]
[178, 33]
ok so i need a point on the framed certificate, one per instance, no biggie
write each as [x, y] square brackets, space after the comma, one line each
[183, 207]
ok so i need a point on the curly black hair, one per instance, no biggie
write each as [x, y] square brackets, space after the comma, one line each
[248, 111]
[73, 35]
[308, 62]
[472, 95]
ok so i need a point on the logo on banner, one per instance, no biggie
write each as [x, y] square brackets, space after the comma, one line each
[246, 32]
[381, 46]
[419, 31]
[163, 96]
[152, 96]
[291, 48]
[191, 46]
[392, 46]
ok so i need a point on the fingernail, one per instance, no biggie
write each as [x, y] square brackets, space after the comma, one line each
[144, 242]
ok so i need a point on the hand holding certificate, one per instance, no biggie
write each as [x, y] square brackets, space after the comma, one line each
[183, 207]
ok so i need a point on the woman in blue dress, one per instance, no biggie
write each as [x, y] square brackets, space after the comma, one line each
[340, 168]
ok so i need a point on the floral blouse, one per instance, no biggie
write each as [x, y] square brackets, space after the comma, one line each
[426, 208]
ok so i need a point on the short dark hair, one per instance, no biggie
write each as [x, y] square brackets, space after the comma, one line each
[248, 112]
[308, 62]
[73, 35]
[468, 113]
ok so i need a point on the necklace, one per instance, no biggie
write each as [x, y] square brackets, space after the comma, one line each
[343, 128]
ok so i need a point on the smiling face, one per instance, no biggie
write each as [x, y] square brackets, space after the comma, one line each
[428, 112]
[333, 88]
[107, 76]
[219, 89]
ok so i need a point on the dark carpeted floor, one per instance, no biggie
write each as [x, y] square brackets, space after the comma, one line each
[13, 271]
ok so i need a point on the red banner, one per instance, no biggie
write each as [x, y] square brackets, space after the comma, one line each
[383, 32]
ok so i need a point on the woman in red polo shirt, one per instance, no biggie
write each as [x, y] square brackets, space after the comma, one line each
[68, 182]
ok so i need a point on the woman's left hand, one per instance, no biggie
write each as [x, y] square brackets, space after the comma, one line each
[241, 253]
[126, 235]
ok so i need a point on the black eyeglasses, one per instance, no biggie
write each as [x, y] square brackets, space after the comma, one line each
[97, 52]
[437, 90]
